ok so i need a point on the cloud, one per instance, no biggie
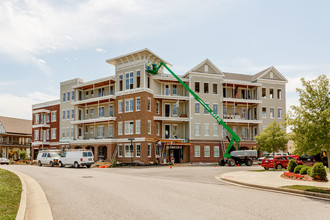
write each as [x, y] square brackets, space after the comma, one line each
[100, 50]
[21, 106]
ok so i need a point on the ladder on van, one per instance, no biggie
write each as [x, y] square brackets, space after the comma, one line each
[114, 155]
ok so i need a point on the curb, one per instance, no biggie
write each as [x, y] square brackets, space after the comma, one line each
[34, 203]
[300, 192]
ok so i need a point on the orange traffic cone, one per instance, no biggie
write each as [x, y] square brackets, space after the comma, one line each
[170, 167]
[215, 165]
[238, 165]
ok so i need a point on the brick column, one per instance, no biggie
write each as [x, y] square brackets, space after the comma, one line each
[96, 151]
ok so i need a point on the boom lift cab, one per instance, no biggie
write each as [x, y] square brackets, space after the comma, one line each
[229, 157]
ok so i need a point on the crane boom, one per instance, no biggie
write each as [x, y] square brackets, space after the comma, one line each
[234, 137]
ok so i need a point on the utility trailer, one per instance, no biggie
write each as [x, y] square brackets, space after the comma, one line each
[240, 157]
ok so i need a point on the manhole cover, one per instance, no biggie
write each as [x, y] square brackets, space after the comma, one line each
[87, 177]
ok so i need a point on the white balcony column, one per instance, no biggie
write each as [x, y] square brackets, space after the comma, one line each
[83, 131]
[98, 109]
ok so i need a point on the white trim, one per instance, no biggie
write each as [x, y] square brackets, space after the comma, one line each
[136, 144]
[205, 146]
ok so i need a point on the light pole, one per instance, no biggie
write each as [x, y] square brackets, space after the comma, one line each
[131, 139]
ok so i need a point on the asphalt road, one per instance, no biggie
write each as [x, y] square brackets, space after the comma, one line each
[164, 193]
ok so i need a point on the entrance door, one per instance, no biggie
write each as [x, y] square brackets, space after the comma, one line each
[167, 131]
[35, 153]
[167, 110]
[177, 155]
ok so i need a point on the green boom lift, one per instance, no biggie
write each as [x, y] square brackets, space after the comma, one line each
[239, 156]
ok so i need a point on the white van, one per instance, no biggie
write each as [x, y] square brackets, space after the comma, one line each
[77, 158]
[48, 158]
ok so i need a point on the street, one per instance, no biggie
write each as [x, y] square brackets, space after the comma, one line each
[164, 193]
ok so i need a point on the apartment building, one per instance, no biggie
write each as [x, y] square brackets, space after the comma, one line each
[45, 126]
[136, 117]
[15, 134]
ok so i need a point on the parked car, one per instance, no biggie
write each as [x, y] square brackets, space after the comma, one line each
[48, 158]
[77, 158]
[4, 161]
[280, 162]
[271, 156]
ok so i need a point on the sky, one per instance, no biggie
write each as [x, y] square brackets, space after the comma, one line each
[44, 42]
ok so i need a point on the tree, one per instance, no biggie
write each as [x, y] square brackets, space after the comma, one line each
[310, 120]
[22, 154]
[272, 139]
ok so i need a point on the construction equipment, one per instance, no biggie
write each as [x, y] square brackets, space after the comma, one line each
[228, 158]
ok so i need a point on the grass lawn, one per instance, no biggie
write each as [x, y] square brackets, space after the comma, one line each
[10, 194]
[309, 188]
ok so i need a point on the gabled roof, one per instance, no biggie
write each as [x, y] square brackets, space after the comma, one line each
[213, 69]
[237, 76]
[144, 54]
[261, 75]
[16, 125]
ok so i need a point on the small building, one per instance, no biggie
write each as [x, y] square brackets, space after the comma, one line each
[15, 134]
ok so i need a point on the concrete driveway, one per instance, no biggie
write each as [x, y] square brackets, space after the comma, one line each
[163, 193]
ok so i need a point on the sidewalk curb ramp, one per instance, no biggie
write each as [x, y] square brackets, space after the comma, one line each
[300, 192]
[34, 204]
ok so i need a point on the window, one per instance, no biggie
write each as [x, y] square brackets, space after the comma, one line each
[215, 88]
[100, 131]
[36, 119]
[111, 131]
[224, 92]
[137, 126]
[216, 151]
[36, 135]
[53, 133]
[72, 132]
[120, 82]
[72, 93]
[63, 133]
[138, 150]
[206, 151]
[279, 113]
[234, 129]
[92, 132]
[101, 112]
[263, 93]
[175, 92]
[42, 118]
[72, 113]
[215, 130]
[111, 110]
[68, 96]
[244, 133]
[271, 75]
[271, 93]
[120, 128]
[148, 82]
[86, 94]
[53, 116]
[175, 110]
[206, 87]
[68, 114]
[157, 106]
[206, 129]
[138, 79]
[101, 92]
[149, 104]
[271, 112]
[128, 150]
[225, 111]
[158, 128]
[67, 132]
[111, 90]
[206, 112]
[167, 90]
[197, 130]
[138, 104]
[197, 108]
[64, 96]
[120, 106]
[128, 105]
[129, 125]
[120, 150]
[149, 150]
[197, 151]
[215, 108]
[149, 127]
[197, 87]
[264, 112]
[279, 94]
[64, 115]
[129, 80]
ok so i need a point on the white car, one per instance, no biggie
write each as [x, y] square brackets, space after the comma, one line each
[77, 159]
[4, 161]
[48, 158]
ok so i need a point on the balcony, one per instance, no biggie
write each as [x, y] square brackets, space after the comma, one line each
[241, 100]
[239, 119]
[88, 120]
[14, 143]
[182, 118]
[94, 99]
[171, 97]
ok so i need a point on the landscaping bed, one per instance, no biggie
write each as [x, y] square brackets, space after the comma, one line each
[309, 188]
[290, 175]
[10, 194]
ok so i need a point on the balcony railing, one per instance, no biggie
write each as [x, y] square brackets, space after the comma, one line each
[5, 143]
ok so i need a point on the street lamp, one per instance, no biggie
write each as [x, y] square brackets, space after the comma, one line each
[131, 139]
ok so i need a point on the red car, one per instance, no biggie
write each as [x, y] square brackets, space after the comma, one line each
[280, 162]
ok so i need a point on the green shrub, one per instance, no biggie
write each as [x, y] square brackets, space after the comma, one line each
[291, 165]
[309, 170]
[298, 168]
[304, 170]
[22, 154]
[318, 170]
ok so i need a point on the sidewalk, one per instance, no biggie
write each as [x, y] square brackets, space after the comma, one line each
[271, 180]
